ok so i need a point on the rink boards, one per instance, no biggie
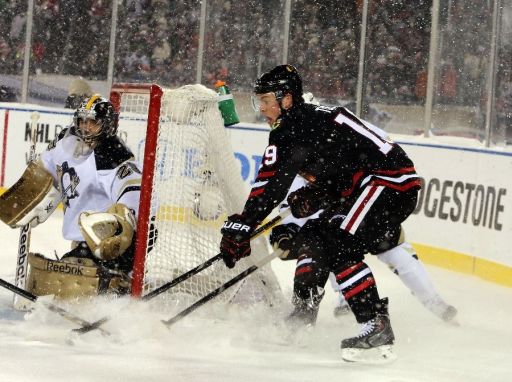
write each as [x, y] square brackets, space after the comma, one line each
[463, 220]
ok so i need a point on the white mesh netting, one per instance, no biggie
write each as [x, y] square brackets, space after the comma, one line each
[196, 185]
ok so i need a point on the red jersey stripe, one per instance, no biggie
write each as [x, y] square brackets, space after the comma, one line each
[359, 209]
[256, 192]
[355, 179]
[404, 170]
[265, 174]
[395, 186]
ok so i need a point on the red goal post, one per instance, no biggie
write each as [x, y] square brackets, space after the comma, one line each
[155, 96]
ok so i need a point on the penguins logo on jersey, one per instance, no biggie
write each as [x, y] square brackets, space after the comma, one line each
[69, 180]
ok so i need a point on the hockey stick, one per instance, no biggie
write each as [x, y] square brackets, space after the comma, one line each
[24, 240]
[48, 305]
[213, 260]
[222, 288]
[190, 273]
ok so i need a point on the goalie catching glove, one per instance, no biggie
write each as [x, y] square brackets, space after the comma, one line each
[282, 237]
[108, 234]
[236, 240]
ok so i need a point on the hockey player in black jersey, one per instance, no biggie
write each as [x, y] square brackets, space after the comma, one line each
[365, 183]
[401, 260]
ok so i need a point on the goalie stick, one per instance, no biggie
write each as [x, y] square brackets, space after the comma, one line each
[222, 288]
[50, 306]
[25, 231]
[190, 273]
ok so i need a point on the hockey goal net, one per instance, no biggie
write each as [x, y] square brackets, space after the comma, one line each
[191, 182]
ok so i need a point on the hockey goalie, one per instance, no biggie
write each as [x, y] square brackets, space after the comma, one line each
[93, 174]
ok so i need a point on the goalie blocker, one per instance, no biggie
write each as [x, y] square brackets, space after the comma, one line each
[32, 199]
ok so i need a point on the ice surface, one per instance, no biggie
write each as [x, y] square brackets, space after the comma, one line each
[248, 344]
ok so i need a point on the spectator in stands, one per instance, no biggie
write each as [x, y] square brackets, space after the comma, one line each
[5, 51]
[18, 26]
[137, 65]
[157, 32]
[7, 94]
[161, 51]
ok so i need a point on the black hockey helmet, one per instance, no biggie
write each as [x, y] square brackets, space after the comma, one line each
[97, 108]
[281, 80]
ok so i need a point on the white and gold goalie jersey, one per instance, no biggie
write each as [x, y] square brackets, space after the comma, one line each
[91, 180]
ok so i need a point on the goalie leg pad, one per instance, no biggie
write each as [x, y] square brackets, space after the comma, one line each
[73, 278]
[32, 199]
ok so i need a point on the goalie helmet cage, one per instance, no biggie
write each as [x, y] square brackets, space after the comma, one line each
[190, 183]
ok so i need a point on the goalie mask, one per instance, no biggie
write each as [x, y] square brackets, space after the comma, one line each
[95, 119]
[281, 80]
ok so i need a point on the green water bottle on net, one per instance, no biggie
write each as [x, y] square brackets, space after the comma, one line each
[226, 104]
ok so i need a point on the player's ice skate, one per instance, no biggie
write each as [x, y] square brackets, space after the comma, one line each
[449, 315]
[441, 309]
[300, 322]
[301, 318]
[374, 343]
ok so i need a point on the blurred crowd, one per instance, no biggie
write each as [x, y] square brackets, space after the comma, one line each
[68, 37]
[158, 40]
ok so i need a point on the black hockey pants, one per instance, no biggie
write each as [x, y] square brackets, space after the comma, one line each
[338, 240]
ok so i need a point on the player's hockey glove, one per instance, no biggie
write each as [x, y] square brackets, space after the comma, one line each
[305, 201]
[283, 237]
[235, 243]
